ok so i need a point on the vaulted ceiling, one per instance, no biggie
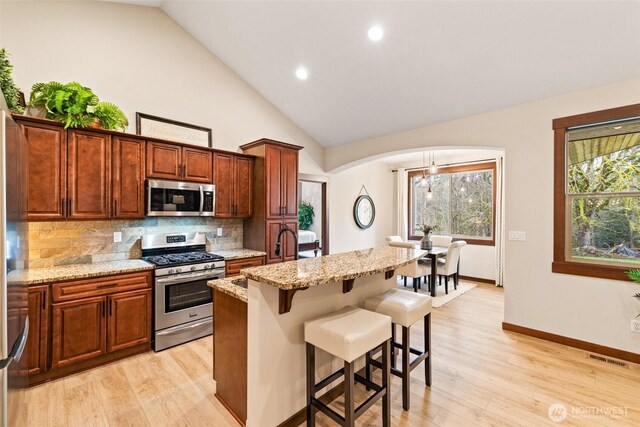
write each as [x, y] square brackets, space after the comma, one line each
[438, 60]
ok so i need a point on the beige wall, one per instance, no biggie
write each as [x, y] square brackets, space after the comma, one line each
[81, 242]
[140, 59]
[344, 190]
[589, 309]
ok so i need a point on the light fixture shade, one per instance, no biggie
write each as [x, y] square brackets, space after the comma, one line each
[423, 181]
[429, 194]
[433, 169]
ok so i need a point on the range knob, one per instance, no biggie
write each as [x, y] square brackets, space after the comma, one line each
[207, 266]
[193, 268]
[171, 271]
[178, 270]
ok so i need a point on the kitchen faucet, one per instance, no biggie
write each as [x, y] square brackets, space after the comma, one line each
[295, 238]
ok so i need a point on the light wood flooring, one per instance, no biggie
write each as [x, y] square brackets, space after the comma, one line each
[482, 375]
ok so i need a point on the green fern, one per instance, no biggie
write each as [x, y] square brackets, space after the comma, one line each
[634, 275]
[9, 88]
[111, 116]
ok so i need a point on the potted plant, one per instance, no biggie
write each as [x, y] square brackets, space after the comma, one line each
[634, 275]
[425, 242]
[76, 105]
[305, 215]
[7, 85]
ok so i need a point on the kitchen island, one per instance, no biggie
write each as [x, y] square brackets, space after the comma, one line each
[280, 298]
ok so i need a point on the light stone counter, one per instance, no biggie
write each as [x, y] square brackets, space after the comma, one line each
[34, 276]
[241, 253]
[332, 268]
[228, 286]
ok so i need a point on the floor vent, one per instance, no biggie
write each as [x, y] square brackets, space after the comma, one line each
[607, 360]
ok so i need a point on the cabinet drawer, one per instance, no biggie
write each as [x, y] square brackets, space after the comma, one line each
[233, 267]
[99, 286]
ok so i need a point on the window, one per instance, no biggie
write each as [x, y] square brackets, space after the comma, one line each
[463, 202]
[597, 193]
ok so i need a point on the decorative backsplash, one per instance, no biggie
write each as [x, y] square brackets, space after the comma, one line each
[82, 242]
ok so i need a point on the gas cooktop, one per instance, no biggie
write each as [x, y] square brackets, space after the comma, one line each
[166, 260]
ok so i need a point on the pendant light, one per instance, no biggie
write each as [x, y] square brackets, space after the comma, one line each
[423, 180]
[433, 169]
[429, 191]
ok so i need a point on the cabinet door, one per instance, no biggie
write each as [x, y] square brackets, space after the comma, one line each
[273, 185]
[243, 187]
[223, 175]
[128, 178]
[129, 321]
[290, 182]
[197, 165]
[289, 246]
[163, 161]
[89, 164]
[47, 168]
[271, 234]
[79, 331]
[38, 330]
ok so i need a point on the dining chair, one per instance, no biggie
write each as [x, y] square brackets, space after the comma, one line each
[394, 239]
[450, 266]
[441, 240]
[414, 271]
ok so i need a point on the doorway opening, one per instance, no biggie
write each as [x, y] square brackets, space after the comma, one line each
[313, 216]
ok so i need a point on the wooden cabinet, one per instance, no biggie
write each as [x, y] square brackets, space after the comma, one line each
[129, 319]
[128, 178]
[79, 331]
[287, 242]
[47, 183]
[233, 267]
[168, 161]
[37, 342]
[233, 178]
[92, 321]
[281, 166]
[275, 200]
[89, 175]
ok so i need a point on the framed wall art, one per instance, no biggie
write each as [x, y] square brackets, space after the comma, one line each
[173, 130]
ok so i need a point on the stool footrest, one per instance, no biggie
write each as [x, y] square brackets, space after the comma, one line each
[418, 360]
[328, 380]
[365, 382]
[370, 401]
[327, 411]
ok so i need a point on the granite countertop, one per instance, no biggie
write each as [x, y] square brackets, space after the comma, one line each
[35, 276]
[241, 253]
[228, 286]
[332, 268]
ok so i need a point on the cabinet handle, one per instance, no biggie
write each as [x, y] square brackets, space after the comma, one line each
[70, 207]
[111, 285]
[115, 208]
[110, 304]
[103, 308]
[44, 300]
[184, 170]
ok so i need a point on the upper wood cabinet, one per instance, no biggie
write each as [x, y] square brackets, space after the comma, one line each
[233, 178]
[168, 161]
[281, 166]
[128, 178]
[89, 175]
[47, 182]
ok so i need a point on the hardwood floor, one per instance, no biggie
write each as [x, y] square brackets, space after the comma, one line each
[482, 375]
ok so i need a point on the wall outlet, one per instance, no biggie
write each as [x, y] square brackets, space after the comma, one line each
[519, 236]
[117, 237]
[219, 232]
[635, 326]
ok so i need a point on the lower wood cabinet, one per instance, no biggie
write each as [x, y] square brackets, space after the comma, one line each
[233, 267]
[88, 322]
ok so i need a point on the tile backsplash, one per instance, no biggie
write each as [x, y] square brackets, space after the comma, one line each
[80, 242]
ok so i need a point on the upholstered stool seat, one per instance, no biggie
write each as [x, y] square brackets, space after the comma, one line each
[348, 333]
[404, 308]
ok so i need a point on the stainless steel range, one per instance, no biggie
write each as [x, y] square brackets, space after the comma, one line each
[183, 301]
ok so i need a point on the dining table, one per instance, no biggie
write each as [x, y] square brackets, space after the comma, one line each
[433, 254]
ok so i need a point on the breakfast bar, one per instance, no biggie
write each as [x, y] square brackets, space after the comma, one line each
[280, 298]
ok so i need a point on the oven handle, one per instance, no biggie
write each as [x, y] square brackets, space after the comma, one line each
[201, 199]
[178, 328]
[183, 278]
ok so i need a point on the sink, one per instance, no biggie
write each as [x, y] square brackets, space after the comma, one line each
[242, 282]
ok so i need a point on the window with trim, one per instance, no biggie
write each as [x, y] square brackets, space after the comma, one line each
[461, 204]
[597, 193]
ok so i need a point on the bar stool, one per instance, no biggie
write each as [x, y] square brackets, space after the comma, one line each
[405, 308]
[348, 333]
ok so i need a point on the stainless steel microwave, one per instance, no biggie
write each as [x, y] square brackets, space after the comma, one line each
[172, 198]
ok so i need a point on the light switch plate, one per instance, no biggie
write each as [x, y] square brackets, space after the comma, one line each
[635, 326]
[219, 232]
[117, 237]
[519, 236]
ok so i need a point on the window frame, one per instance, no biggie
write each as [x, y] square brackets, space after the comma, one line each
[561, 227]
[452, 170]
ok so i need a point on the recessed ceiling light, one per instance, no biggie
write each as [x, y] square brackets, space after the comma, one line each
[375, 33]
[617, 127]
[302, 73]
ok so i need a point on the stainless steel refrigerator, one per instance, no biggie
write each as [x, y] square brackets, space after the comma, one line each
[14, 310]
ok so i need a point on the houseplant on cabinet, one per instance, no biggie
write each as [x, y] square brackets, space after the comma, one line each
[7, 85]
[76, 105]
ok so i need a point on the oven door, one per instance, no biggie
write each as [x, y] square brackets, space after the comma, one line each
[183, 298]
